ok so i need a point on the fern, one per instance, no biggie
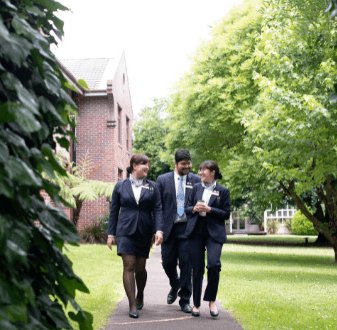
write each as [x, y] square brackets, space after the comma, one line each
[76, 185]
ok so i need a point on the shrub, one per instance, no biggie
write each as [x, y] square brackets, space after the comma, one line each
[272, 226]
[301, 225]
[287, 223]
[94, 233]
[104, 221]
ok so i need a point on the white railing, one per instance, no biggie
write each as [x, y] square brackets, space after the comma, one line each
[280, 214]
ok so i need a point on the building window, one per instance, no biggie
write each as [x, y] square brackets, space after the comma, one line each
[127, 133]
[120, 174]
[119, 124]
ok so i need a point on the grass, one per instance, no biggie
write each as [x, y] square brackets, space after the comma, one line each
[260, 239]
[273, 287]
[101, 270]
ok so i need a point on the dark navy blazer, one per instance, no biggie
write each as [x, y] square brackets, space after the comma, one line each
[220, 211]
[167, 190]
[126, 214]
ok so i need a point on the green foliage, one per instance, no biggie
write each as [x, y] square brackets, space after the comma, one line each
[272, 226]
[287, 223]
[332, 8]
[94, 233]
[36, 277]
[301, 225]
[75, 185]
[150, 132]
[256, 100]
[104, 221]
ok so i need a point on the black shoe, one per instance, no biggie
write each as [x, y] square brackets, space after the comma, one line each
[140, 306]
[196, 314]
[172, 296]
[134, 315]
[187, 308]
[214, 314]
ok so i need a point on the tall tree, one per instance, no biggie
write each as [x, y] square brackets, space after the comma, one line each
[257, 101]
[150, 132]
[36, 279]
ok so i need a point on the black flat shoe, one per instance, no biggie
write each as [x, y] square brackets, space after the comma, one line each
[187, 308]
[214, 314]
[172, 296]
[196, 314]
[134, 315]
[140, 306]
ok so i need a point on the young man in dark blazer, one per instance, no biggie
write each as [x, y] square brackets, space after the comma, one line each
[174, 188]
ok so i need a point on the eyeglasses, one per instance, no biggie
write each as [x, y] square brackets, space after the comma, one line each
[200, 170]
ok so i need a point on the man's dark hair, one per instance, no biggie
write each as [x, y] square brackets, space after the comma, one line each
[182, 154]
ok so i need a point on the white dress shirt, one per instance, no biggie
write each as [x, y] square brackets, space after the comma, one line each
[136, 192]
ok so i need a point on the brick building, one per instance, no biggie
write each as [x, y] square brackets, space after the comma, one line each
[104, 129]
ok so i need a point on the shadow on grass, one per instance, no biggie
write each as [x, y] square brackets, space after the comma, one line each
[278, 243]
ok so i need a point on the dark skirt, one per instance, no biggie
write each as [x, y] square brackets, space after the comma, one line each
[137, 245]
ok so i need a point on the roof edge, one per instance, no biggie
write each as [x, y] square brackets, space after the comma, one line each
[71, 77]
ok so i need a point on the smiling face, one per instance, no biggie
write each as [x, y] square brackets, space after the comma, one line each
[206, 175]
[183, 167]
[140, 170]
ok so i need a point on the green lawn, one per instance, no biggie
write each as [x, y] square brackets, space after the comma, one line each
[260, 239]
[267, 287]
[101, 270]
[263, 287]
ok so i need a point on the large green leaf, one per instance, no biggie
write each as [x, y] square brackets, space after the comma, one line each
[56, 313]
[19, 172]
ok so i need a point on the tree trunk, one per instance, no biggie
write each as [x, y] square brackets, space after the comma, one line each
[76, 212]
[322, 240]
[335, 250]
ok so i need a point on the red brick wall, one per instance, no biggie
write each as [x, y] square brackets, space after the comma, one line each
[101, 142]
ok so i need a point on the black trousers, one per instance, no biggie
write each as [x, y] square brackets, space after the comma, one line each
[198, 242]
[175, 252]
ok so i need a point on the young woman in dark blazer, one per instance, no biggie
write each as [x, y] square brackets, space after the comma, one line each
[207, 209]
[135, 217]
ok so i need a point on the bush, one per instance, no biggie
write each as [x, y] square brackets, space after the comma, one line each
[301, 225]
[94, 234]
[287, 223]
[104, 221]
[272, 226]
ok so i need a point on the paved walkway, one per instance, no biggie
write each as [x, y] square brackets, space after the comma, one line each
[158, 315]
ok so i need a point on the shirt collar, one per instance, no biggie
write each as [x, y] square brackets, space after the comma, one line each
[209, 186]
[176, 176]
[135, 182]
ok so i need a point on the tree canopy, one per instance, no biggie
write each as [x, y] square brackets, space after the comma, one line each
[256, 100]
[149, 137]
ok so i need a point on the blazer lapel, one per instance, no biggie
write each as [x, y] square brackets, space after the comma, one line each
[129, 189]
[172, 185]
[143, 190]
[200, 193]
[213, 197]
[187, 190]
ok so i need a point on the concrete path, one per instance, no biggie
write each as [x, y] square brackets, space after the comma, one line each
[158, 315]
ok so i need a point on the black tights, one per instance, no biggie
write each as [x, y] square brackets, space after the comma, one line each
[134, 272]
